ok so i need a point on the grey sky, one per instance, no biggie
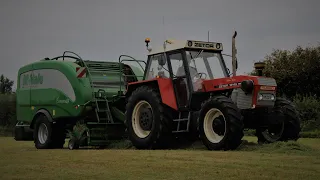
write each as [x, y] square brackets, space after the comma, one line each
[103, 30]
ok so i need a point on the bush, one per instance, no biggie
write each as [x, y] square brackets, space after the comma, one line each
[7, 110]
[309, 110]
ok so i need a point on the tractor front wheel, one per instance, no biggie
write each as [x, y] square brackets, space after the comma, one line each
[291, 122]
[289, 129]
[220, 124]
[148, 126]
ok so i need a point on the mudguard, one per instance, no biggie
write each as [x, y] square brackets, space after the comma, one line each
[165, 87]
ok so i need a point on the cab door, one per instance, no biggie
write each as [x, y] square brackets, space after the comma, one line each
[180, 78]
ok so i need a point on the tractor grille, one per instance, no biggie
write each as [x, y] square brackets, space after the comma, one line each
[267, 81]
[244, 101]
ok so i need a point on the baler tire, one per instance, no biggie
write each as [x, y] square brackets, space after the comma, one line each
[160, 134]
[49, 143]
[292, 120]
[233, 120]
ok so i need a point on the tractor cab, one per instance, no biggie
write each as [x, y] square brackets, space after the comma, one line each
[187, 63]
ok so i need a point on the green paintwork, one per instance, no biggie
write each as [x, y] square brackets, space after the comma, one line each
[118, 114]
[41, 88]
[138, 72]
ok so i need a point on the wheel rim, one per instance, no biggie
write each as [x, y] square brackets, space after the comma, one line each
[136, 117]
[213, 121]
[43, 133]
[272, 136]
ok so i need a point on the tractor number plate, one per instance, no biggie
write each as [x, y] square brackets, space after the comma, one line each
[267, 96]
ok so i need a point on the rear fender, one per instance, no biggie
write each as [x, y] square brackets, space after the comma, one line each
[163, 85]
[39, 112]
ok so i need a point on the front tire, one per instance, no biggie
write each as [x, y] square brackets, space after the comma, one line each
[292, 120]
[220, 124]
[148, 126]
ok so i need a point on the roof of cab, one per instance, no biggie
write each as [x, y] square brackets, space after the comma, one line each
[178, 44]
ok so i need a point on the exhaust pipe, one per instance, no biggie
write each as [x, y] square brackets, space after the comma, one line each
[234, 52]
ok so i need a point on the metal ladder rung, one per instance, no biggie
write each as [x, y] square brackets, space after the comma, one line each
[179, 120]
[183, 119]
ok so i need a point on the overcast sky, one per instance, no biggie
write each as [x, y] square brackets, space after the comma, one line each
[104, 29]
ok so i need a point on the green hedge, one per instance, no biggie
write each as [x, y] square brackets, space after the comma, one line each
[7, 110]
[308, 108]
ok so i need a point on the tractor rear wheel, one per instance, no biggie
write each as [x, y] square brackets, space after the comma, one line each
[220, 124]
[148, 126]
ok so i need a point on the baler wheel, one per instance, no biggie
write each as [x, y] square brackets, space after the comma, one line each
[220, 124]
[147, 125]
[43, 133]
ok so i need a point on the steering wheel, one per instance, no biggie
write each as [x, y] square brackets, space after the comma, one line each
[200, 73]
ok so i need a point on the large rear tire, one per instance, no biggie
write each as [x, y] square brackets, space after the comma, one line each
[148, 126]
[220, 124]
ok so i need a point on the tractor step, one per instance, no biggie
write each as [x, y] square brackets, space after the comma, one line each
[179, 120]
[182, 123]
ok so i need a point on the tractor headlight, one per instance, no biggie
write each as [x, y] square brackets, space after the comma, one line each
[247, 86]
[272, 97]
[266, 97]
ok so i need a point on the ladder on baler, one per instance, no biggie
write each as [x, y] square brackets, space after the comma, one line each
[101, 103]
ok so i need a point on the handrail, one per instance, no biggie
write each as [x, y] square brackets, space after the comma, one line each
[133, 59]
[71, 53]
[56, 58]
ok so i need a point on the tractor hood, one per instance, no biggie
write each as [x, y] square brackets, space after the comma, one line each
[243, 82]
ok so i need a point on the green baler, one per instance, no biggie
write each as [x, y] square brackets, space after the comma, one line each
[85, 98]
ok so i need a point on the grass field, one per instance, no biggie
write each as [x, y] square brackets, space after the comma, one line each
[301, 160]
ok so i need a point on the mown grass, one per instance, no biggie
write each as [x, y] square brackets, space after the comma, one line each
[292, 160]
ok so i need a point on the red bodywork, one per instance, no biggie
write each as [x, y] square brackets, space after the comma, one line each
[167, 91]
[165, 87]
[235, 82]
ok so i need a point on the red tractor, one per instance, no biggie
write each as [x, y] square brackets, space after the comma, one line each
[189, 92]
